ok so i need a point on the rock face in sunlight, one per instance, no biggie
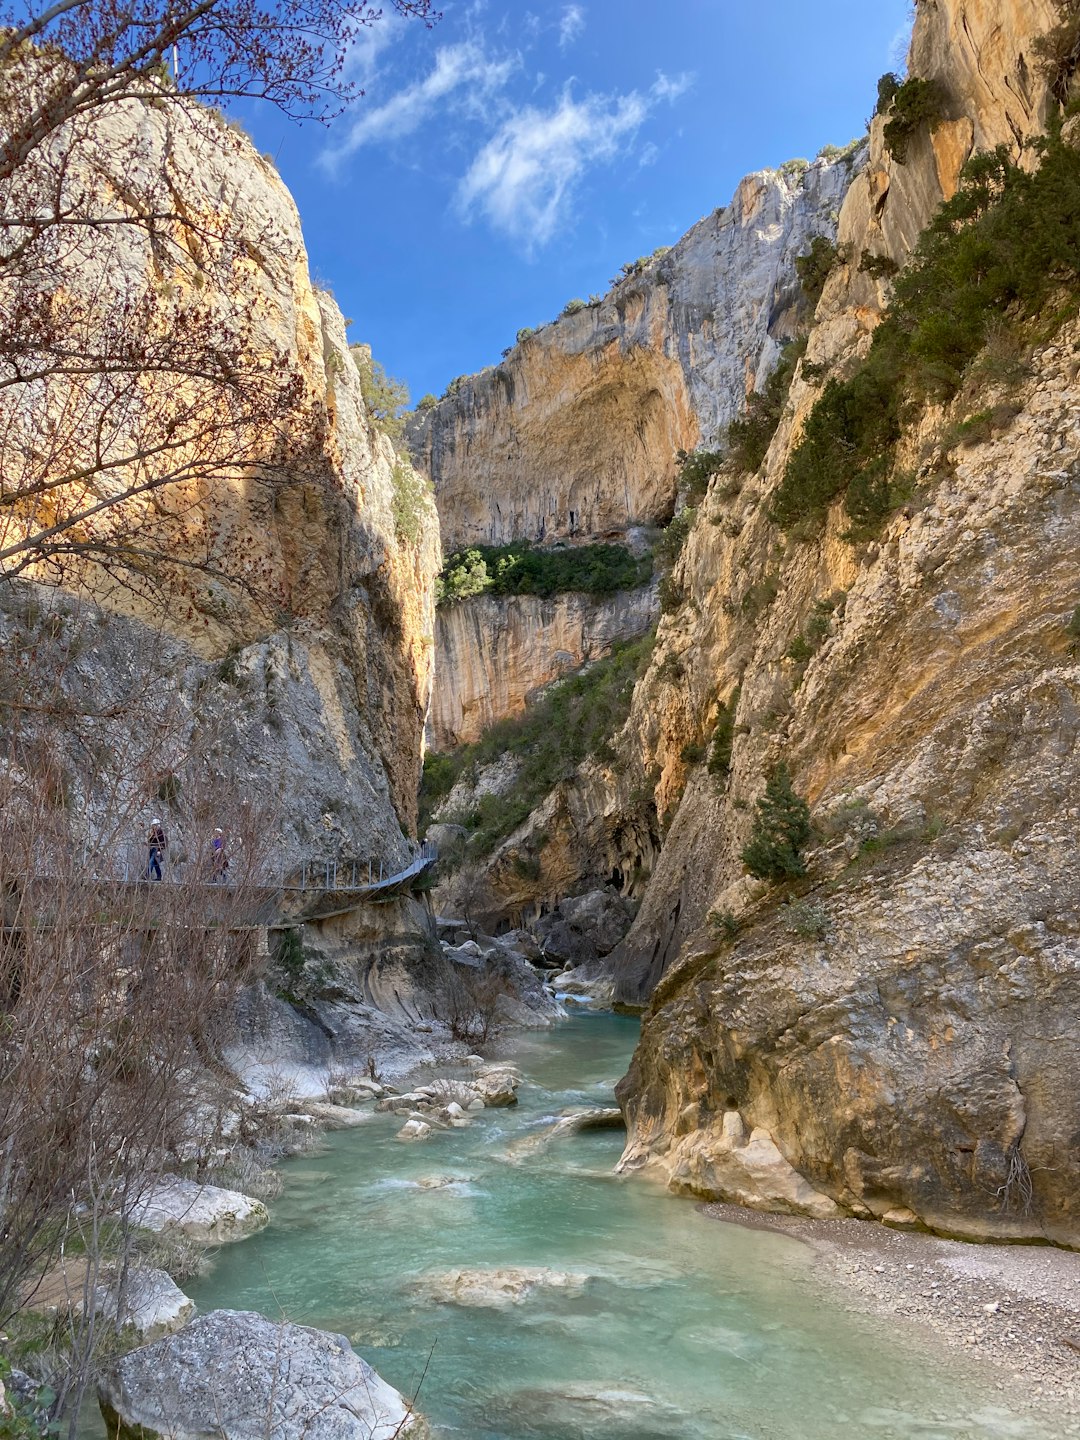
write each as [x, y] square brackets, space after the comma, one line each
[885, 1036]
[574, 438]
[575, 433]
[895, 1023]
[492, 653]
[301, 575]
[281, 642]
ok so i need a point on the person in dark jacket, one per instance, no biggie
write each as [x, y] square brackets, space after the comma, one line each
[219, 860]
[156, 840]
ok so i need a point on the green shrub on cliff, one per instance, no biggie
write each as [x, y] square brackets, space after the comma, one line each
[887, 87]
[814, 267]
[781, 830]
[573, 720]
[696, 469]
[386, 399]
[915, 104]
[519, 569]
[750, 436]
[1003, 250]
[413, 502]
[723, 737]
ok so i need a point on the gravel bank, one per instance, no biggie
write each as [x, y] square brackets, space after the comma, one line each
[1012, 1308]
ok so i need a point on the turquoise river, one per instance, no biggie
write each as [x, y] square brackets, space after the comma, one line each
[673, 1326]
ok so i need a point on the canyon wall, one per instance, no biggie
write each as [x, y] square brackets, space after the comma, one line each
[574, 434]
[491, 653]
[888, 1037]
[279, 568]
[249, 646]
[709, 643]
[889, 1040]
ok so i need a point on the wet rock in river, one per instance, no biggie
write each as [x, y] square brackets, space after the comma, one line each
[487, 1289]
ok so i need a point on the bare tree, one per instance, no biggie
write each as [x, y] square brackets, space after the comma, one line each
[132, 356]
[116, 992]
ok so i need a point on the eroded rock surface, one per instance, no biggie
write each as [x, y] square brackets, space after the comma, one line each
[498, 1289]
[575, 433]
[494, 652]
[898, 1028]
[242, 1377]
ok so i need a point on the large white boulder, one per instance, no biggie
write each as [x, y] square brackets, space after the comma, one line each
[154, 1305]
[239, 1376]
[204, 1213]
[496, 1087]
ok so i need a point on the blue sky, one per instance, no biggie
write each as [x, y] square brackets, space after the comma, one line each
[515, 155]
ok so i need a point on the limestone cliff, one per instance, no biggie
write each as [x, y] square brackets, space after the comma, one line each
[575, 433]
[895, 1032]
[729, 568]
[490, 654]
[575, 436]
[263, 661]
[293, 566]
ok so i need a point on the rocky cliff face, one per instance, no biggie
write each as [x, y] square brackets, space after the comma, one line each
[575, 433]
[295, 571]
[269, 671]
[892, 1036]
[492, 653]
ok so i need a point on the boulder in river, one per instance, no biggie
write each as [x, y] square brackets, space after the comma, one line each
[204, 1213]
[239, 1376]
[497, 1289]
[154, 1305]
[497, 1087]
[151, 1305]
[584, 1412]
[336, 1117]
[414, 1129]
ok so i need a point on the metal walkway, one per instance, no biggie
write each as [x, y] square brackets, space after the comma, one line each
[319, 890]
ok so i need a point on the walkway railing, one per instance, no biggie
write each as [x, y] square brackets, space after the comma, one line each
[328, 887]
[348, 876]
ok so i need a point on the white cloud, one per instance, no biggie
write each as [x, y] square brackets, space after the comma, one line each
[463, 70]
[671, 87]
[367, 46]
[522, 178]
[649, 155]
[571, 25]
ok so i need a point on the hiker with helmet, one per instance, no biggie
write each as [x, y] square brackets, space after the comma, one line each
[156, 840]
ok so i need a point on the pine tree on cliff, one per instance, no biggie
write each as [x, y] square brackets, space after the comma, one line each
[781, 829]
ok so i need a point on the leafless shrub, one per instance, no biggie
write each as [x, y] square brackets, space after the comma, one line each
[1016, 1193]
[472, 1005]
[115, 992]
